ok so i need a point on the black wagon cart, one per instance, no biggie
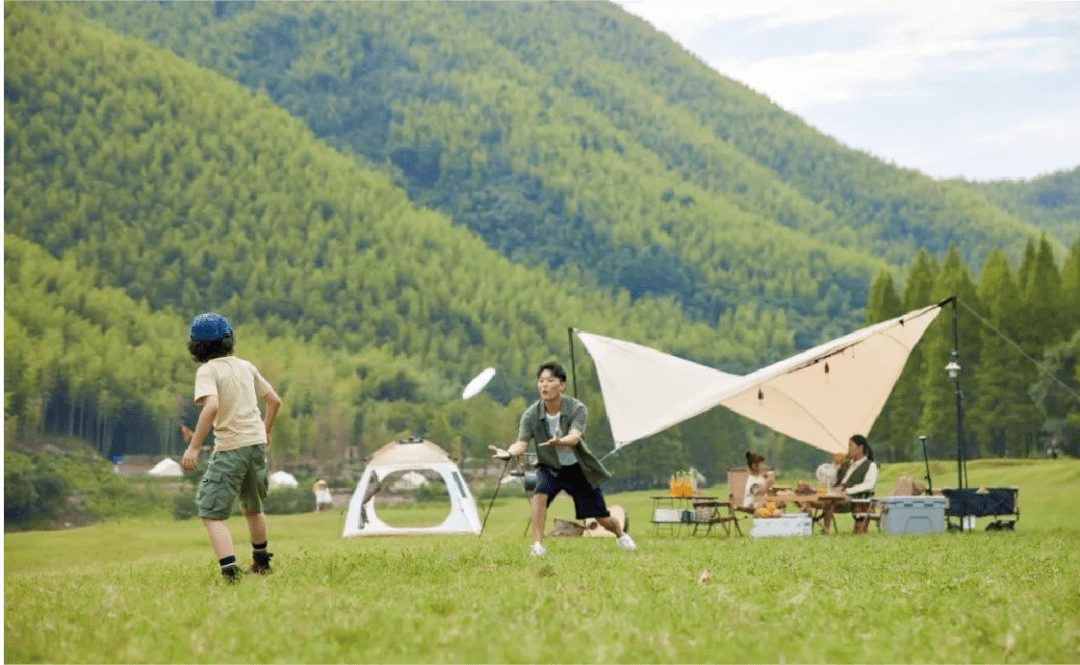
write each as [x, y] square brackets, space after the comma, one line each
[1000, 503]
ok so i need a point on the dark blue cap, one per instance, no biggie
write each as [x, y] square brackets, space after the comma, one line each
[210, 325]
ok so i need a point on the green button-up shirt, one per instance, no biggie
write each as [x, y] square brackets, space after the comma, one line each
[573, 415]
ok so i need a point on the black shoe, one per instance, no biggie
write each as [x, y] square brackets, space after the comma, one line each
[231, 573]
[261, 564]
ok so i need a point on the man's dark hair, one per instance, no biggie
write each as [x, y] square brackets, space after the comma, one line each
[208, 349]
[861, 441]
[557, 370]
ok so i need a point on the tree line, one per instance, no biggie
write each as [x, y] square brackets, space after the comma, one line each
[1018, 337]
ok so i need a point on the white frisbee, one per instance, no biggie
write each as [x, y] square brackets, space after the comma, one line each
[477, 384]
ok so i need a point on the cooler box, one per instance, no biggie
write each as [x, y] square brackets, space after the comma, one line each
[789, 524]
[912, 514]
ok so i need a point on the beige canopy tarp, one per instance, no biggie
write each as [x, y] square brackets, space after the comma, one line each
[820, 396]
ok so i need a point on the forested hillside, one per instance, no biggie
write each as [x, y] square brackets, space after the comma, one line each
[386, 198]
[575, 134]
[1051, 202]
[189, 193]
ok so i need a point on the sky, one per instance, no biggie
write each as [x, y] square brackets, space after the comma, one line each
[974, 90]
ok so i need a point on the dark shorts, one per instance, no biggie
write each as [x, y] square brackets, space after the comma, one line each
[231, 473]
[588, 500]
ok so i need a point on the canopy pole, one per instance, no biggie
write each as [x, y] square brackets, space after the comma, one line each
[573, 366]
[959, 405]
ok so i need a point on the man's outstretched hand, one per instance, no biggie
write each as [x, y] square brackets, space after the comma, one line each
[499, 453]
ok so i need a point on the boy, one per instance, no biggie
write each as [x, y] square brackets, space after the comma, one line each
[227, 388]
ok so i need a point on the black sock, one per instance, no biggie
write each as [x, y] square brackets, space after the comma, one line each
[259, 547]
[227, 561]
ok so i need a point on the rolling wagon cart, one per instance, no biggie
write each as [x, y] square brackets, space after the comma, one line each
[994, 502]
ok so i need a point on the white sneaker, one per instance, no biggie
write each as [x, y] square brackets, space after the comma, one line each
[626, 542]
[537, 550]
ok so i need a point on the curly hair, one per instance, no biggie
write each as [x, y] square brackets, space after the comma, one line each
[208, 349]
[753, 458]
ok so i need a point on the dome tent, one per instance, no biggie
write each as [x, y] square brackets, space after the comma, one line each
[282, 479]
[411, 454]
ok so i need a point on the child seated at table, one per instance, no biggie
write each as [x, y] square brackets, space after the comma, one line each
[758, 484]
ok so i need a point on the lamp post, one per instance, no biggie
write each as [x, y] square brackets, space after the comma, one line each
[953, 368]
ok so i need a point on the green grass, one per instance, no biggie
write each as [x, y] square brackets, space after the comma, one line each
[148, 591]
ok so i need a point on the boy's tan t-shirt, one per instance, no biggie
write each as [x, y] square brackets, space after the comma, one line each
[238, 387]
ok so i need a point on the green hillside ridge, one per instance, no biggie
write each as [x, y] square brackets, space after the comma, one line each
[573, 133]
[1051, 202]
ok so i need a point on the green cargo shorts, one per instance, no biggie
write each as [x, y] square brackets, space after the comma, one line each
[241, 471]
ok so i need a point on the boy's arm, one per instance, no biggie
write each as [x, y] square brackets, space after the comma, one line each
[206, 421]
[272, 404]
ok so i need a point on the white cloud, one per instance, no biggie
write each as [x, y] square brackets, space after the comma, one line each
[983, 68]
[1051, 142]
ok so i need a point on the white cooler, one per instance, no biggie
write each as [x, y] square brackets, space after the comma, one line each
[788, 524]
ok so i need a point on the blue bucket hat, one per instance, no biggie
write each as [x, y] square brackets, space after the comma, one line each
[210, 325]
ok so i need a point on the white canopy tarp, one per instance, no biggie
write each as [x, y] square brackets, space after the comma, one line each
[820, 396]
[167, 468]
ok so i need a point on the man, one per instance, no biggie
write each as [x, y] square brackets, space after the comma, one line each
[556, 424]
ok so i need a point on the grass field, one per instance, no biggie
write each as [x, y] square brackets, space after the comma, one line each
[148, 591]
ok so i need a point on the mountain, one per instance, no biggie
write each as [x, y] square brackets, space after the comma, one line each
[388, 197]
[575, 133]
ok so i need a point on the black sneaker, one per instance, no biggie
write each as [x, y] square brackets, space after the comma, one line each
[231, 573]
[261, 564]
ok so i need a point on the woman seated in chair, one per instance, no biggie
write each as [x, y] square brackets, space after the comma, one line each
[856, 478]
[758, 484]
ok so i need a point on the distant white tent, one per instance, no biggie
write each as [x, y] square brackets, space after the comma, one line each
[410, 455]
[282, 479]
[167, 468]
[821, 396]
[411, 480]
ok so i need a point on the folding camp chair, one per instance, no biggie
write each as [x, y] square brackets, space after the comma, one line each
[736, 478]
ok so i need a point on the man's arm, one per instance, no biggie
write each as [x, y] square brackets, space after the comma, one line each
[515, 449]
[568, 441]
[202, 428]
